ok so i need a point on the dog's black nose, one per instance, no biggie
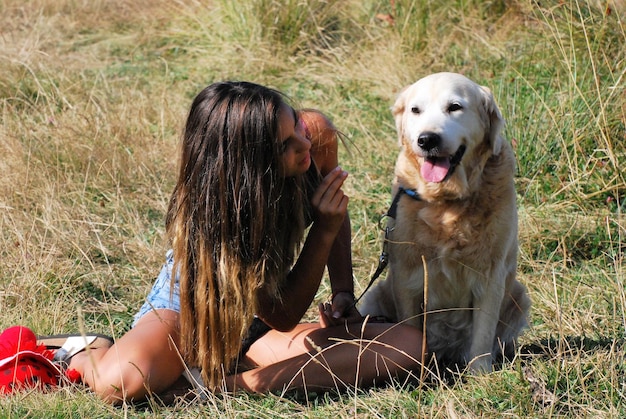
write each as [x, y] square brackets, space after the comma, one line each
[428, 140]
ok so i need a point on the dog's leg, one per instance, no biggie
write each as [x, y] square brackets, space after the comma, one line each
[408, 295]
[485, 321]
[378, 301]
[370, 303]
[513, 317]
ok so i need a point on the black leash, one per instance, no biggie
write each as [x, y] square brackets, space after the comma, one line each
[383, 259]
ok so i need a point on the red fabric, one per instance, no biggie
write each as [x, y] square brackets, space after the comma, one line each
[23, 363]
[73, 376]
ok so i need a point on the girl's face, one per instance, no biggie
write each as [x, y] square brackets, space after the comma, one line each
[296, 157]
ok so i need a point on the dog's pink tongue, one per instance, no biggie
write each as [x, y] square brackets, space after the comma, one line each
[435, 169]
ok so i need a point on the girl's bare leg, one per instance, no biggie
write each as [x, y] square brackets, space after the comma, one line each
[330, 358]
[145, 359]
[142, 361]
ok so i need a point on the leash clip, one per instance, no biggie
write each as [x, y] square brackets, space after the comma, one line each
[383, 260]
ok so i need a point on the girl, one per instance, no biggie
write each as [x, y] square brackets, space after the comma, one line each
[254, 174]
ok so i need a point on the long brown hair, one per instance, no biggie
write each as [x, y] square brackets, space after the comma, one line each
[234, 221]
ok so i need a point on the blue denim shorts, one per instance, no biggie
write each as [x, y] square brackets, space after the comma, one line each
[160, 296]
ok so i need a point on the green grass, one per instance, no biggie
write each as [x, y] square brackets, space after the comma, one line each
[93, 96]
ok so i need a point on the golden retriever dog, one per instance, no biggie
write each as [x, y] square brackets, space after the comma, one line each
[455, 227]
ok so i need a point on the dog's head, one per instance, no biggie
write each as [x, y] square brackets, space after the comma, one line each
[448, 126]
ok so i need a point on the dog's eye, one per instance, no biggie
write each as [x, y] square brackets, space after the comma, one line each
[416, 110]
[454, 107]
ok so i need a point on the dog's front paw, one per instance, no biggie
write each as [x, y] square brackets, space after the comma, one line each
[480, 364]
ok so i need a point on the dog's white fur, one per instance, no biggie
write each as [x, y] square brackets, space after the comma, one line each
[464, 226]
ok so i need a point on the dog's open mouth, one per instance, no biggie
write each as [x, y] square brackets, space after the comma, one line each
[437, 169]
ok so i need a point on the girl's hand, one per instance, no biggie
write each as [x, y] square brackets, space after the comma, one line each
[341, 311]
[329, 203]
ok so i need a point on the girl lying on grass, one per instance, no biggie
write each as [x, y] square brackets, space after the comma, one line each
[254, 174]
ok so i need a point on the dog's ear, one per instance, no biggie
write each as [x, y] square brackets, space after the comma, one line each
[398, 110]
[493, 120]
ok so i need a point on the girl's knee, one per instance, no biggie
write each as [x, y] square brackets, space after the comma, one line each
[320, 127]
[316, 118]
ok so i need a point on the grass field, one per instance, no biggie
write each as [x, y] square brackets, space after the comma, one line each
[93, 95]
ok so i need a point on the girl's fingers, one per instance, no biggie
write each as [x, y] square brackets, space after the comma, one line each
[330, 188]
[335, 204]
[324, 320]
[329, 202]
